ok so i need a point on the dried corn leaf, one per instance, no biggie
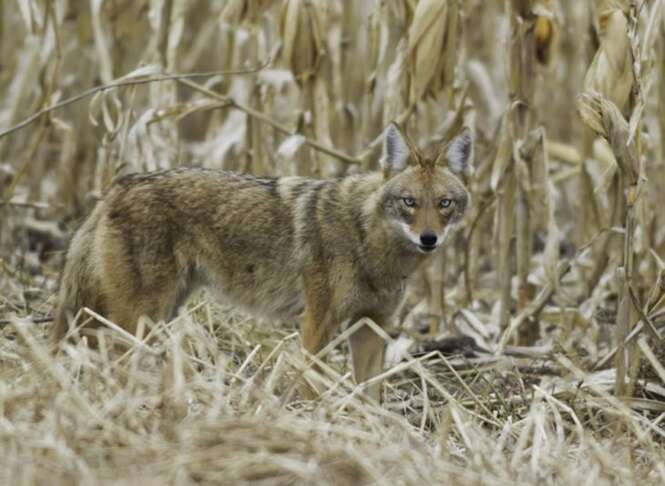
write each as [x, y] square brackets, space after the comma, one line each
[301, 24]
[322, 121]
[611, 71]
[426, 41]
[377, 42]
[144, 71]
[111, 112]
[395, 95]
[604, 117]
[503, 156]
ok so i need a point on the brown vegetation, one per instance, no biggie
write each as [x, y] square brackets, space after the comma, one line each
[557, 275]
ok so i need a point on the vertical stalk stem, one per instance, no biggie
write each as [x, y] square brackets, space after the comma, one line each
[626, 313]
[506, 210]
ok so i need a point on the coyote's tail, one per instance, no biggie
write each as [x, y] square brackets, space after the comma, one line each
[78, 281]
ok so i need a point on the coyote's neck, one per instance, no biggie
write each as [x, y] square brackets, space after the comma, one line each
[389, 260]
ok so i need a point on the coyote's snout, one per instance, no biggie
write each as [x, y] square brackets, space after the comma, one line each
[337, 250]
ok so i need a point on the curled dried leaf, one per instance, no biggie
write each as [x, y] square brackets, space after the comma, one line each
[426, 45]
[144, 71]
[588, 107]
[111, 112]
[94, 108]
[611, 71]
[604, 117]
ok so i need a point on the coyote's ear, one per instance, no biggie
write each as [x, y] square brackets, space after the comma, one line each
[396, 151]
[460, 152]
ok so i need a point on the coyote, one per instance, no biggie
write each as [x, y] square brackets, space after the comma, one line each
[337, 250]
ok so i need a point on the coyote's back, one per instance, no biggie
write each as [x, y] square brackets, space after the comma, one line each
[156, 237]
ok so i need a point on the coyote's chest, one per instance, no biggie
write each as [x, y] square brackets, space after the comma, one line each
[383, 298]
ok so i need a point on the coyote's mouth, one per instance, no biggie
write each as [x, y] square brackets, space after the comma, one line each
[427, 248]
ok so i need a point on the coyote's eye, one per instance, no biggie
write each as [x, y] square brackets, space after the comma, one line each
[446, 203]
[409, 202]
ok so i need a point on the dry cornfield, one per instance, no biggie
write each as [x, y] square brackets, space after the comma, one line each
[531, 351]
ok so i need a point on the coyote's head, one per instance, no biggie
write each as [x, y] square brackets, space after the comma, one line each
[423, 198]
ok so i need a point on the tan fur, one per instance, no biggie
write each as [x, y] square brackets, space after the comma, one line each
[336, 249]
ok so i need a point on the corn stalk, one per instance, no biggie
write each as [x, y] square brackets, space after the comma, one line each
[523, 184]
[515, 125]
[303, 31]
[616, 77]
[604, 116]
[431, 61]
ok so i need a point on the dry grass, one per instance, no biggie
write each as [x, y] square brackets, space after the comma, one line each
[557, 275]
[212, 400]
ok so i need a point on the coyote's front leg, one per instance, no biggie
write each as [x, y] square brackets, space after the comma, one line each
[367, 350]
[318, 324]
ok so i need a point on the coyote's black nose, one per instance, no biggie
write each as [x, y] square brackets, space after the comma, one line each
[428, 238]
